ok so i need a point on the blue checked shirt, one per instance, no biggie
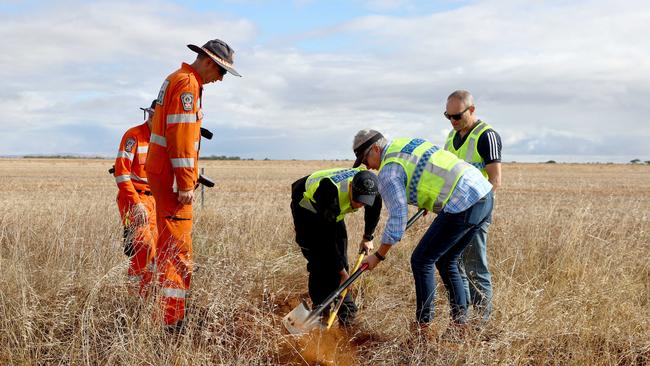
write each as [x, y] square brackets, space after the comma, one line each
[471, 187]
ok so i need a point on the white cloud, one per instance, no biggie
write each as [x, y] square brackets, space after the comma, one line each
[67, 64]
[553, 77]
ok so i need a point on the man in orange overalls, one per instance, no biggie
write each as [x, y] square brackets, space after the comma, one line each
[172, 167]
[135, 202]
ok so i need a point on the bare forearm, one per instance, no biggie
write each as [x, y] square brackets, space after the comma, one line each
[494, 175]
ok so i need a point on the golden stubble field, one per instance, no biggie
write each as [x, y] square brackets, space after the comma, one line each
[569, 249]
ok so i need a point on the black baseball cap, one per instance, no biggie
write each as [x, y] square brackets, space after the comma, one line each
[365, 187]
[219, 52]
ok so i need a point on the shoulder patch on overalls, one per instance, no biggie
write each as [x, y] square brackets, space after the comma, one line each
[187, 99]
[128, 145]
[161, 93]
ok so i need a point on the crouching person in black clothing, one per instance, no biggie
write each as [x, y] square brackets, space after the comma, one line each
[319, 203]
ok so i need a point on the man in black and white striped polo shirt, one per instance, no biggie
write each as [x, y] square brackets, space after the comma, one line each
[479, 144]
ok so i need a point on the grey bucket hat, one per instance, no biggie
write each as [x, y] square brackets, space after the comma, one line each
[219, 52]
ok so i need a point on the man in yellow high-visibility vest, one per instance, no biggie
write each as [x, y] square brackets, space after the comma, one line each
[479, 144]
[319, 203]
[414, 171]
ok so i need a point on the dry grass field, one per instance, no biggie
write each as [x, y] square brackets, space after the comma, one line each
[569, 250]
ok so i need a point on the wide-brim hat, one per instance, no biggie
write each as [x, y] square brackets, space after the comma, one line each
[219, 52]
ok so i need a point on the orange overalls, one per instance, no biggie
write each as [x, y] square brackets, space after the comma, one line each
[131, 181]
[172, 166]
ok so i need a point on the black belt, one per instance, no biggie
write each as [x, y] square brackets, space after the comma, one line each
[146, 193]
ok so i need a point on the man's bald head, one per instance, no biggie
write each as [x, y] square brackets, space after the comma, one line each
[462, 96]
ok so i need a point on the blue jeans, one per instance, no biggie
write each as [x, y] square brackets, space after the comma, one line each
[475, 273]
[441, 246]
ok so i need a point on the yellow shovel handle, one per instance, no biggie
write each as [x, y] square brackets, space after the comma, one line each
[335, 310]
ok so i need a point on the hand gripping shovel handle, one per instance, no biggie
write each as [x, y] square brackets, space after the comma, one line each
[319, 309]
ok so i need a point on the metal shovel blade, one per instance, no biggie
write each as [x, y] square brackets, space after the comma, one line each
[298, 321]
[301, 320]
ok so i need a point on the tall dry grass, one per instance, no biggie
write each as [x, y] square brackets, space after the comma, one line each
[568, 248]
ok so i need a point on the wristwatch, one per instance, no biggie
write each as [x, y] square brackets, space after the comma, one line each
[368, 237]
[379, 256]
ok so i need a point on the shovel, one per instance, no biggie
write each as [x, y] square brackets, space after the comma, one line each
[335, 311]
[301, 320]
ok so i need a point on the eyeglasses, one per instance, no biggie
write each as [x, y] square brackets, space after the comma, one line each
[365, 156]
[456, 116]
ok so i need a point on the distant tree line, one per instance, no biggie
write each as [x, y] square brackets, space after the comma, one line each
[62, 156]
[220, 157]
[223, 157]
[70, 156]
[633, 161]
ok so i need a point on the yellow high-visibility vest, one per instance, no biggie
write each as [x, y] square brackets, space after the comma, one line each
[341, 177]
[468, 151]
[432, 173]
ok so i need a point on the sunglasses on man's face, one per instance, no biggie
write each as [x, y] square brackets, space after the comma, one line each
[365, 156]
[456, 116]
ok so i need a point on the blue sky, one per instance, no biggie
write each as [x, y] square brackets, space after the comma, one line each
[555, 78]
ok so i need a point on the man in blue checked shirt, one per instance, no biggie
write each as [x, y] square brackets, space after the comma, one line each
[414, 171]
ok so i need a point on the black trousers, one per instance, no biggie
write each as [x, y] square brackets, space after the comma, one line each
[324, 244]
